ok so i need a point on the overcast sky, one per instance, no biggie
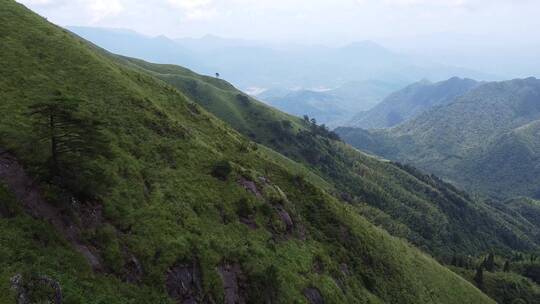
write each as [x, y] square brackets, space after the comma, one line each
[314, 21]
[495, 36]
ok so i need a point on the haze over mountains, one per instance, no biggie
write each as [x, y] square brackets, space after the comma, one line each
[249, 64]
[333, 107]
[361, 74]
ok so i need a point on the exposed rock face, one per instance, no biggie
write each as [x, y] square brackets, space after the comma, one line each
[286, 219]
[313, 296]
[24, 288]
[233, 281]
[28, 193]
[91, 258]
[250, 186]
[133, 270]
[344, 268]
[250, 222]
[301, 231]
[183, 283]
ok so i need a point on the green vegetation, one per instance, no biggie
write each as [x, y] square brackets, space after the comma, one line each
[74, 141]
[503, 279]
[428, 212]
[162, 209]
[411, 101]
[485, 141]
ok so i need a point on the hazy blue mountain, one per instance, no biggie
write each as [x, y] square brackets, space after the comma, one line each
[332, 107]
[213, 43]
[487, 140]
[250, 64]
[411, 101]
[322, 106]
[157, 49]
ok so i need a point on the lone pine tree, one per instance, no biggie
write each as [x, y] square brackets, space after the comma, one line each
[479, 277]
[72, 138]
[489, 262]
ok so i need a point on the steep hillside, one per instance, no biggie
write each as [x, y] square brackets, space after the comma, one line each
[411, 101]
[428, 212]
[486, 140]
[168, 204]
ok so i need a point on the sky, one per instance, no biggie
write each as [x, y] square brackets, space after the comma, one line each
[480, 34]
[305, 21]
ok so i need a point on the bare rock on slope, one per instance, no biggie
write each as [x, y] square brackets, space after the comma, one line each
[183, 283]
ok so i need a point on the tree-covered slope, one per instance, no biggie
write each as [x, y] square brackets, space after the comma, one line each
[179, 207]
[411, 101]
[428, 212]
[486, 140]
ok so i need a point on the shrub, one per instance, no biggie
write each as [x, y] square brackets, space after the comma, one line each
[222, 170]
[245, 208]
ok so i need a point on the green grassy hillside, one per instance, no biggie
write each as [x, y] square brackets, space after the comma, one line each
[485, 141]
[180, 207]
[410, 102]
[428, 212]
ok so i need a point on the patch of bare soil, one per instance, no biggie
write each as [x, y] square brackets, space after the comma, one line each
[27, 192]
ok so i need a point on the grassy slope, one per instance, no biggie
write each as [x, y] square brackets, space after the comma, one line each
[487, 140]
[411, 101]
[506, 287]
[164, 199]
[426, 211]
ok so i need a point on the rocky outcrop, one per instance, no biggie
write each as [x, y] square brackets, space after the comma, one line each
[250, 222]
[183, 283]
[250, 186]
[286, 219]
[27, 289]
[233, 283]
[28, 193]
[313, 296]
[133, 270]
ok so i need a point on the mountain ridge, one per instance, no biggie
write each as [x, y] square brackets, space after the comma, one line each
[192, 208]
[488, 126]
[410, 102]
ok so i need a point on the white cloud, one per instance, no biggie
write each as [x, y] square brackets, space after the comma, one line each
[37, 2]
[95, 10]
[313, 21]
[189, 4]
[100, 9]
[195, 9]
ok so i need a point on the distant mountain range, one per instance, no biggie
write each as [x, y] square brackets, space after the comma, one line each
[331, 107]
[250, 64]
[487, 140]
[411, 101]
